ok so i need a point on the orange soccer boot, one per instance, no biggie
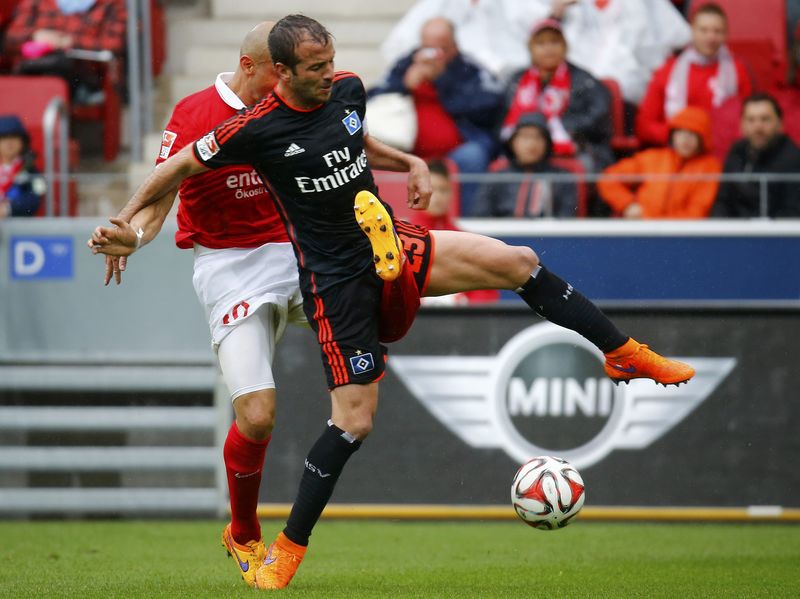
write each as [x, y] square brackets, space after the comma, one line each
[373, 218]
[249, 557]
[280, 564]
[637, 361]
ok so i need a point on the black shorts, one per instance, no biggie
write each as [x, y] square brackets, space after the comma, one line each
[346, 315]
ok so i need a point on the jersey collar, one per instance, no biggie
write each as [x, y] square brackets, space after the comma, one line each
[295, 108]
[225, 92]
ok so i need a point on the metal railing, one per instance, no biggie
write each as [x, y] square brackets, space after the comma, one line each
[140, 79]
[763, 180]
[56, 117]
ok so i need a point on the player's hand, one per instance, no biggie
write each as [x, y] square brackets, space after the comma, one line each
[117, 243]
[119, 240]
[419, 185]
[115, 266]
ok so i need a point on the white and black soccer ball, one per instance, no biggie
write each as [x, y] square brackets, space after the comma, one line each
[547, 493]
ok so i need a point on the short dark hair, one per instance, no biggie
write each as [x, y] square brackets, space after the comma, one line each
[710, 8]
[763, 97]
[289, 32]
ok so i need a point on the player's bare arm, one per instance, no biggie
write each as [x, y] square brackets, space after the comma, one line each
[166, 177]
[384, 157]
[121, 240]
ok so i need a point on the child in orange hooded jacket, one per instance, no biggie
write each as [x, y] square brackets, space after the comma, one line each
[688, 153]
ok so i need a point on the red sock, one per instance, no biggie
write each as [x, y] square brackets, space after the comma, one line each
[244, 459]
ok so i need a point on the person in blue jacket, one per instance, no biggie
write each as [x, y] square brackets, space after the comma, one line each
[457, 102]
[21, 186]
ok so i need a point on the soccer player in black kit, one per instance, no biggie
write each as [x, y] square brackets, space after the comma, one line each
[309, 142]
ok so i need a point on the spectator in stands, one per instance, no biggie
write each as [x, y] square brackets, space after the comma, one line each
[688, 153]
[21, 187]
[575, 104]
[529, 149]
[624, 40]
[42, 31]
[705, 75]
[475, 22]
[456, 101]
[763, 149]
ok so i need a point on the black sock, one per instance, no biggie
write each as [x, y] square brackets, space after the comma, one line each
[562, 304]
[323, 466]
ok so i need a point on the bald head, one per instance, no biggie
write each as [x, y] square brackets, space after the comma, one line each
[255, 45]
[255, 76]
[439, 32]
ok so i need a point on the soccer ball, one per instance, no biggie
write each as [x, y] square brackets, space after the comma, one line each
[547, 493]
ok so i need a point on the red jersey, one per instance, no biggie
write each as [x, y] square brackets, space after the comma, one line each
[225, 208]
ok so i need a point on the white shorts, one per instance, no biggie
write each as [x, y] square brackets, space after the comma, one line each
[249, 296]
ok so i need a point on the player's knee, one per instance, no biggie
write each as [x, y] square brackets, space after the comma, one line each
[255, 414]
[359, 425]
[357, 422]
[519, 263]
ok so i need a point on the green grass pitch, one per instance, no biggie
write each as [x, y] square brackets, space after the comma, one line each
[408, 559]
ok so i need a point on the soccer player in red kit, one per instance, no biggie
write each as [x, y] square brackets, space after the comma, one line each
[245, 276]
[310, 142]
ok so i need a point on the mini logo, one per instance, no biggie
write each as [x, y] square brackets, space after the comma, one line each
[293, 149]
[239, 475]
[207, 146]
[269, 559]
[362, 363]
[352, 122]
[167, 139]
[621, 368]
[546, 393]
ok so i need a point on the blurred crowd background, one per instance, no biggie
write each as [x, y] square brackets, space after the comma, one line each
[525, 109]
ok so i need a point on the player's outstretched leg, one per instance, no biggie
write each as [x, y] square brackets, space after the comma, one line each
[626, 359]
[376, 223]
[466, 261]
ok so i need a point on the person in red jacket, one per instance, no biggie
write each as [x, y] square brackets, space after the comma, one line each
[688, 154]
[705, 75]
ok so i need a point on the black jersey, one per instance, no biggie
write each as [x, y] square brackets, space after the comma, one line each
[314, 163]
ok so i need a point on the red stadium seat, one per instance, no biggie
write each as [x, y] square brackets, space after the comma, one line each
[757, 35]
[620, 140]
[28, 97]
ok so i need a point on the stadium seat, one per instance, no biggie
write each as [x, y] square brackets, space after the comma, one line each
[30, 107]
[620, 140]
[758, 39]
[571, 165]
